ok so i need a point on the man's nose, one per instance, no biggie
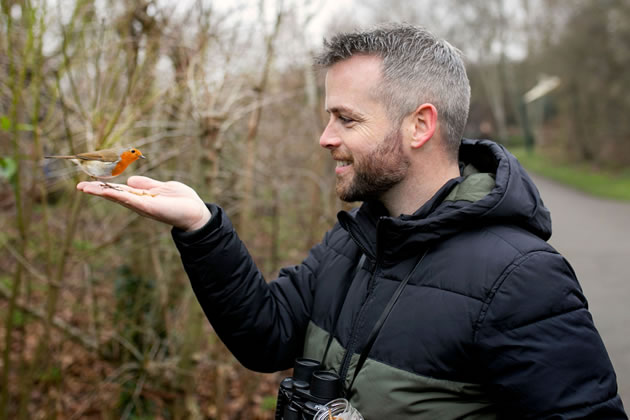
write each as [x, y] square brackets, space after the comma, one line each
[329, 138]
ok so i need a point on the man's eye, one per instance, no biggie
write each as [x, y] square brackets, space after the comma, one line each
[345, 120]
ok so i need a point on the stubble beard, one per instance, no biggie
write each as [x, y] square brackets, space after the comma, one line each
[377, 172]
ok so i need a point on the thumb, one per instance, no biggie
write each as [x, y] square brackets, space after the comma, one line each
[143, 182]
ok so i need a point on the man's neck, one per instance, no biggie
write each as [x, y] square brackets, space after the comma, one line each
[418, 188]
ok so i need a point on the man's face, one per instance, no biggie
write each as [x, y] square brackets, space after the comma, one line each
[368, 150]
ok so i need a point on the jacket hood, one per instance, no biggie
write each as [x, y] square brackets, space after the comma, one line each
[493, 189]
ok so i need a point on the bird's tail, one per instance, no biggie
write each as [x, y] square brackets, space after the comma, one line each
[60, 157]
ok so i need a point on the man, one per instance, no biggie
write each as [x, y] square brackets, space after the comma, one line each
[490, 321]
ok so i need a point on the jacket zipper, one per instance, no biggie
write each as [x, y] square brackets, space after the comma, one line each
[354, 238]
[352, 344]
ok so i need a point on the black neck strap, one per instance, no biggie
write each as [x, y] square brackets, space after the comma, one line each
[345, 287]
[381, 321]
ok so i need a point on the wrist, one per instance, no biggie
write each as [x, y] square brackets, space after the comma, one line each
[202, 221]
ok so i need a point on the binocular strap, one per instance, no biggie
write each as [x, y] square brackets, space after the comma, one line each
[381, 321]
[345, 287]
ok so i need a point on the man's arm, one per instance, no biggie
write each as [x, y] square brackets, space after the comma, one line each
[262, 324]
[540, 351]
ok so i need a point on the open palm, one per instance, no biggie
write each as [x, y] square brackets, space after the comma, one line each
[170, 202]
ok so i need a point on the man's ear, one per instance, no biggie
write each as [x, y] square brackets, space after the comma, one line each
[424, 124]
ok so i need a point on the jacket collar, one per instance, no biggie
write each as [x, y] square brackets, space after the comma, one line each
[512, 199]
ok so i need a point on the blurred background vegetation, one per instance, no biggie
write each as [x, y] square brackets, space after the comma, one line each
[97, 318]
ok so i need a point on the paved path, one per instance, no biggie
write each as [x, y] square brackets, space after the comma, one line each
[594, 235]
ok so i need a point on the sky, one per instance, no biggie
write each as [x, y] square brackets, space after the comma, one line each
[249, 9]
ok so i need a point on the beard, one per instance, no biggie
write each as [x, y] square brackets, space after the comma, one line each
[377, 172]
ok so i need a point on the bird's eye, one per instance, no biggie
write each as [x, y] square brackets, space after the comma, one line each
[133, 150]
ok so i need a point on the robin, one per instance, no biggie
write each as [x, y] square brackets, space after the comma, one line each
[104, 164]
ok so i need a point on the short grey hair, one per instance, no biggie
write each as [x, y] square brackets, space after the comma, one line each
[417, 68]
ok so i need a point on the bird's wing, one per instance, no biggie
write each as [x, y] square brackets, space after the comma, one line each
[107, 155]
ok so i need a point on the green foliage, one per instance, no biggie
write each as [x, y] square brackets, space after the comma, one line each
[19, 318]
[579, 176]
[7, 125]
[590, 55]
[137, 318]
[268, 403]
[82, 245]
[6, 282]
[52, 375]
[8, 169]
[135, 408]
[137, 314]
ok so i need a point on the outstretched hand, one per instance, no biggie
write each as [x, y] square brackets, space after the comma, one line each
[169, 202]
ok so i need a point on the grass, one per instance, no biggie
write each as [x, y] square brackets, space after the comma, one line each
[579, 176]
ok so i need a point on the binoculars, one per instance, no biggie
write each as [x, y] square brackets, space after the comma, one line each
[302, 395]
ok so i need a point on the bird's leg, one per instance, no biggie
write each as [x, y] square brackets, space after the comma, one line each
[106, 185]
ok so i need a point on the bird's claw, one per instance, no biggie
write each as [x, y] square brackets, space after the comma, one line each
[106, 185]
[117, 188]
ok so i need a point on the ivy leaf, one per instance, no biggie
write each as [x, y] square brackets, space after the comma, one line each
[8, 169]
[25, 127]
[5, 123]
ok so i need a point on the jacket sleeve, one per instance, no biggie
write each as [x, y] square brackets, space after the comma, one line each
[540, 351]
[263, 324]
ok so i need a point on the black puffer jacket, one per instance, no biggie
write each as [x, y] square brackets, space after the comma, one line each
[493, 323]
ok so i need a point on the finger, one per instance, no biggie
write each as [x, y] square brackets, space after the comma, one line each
[93, 188]
[143, 182]
[140, 203]
[85, 184]
[114, 191]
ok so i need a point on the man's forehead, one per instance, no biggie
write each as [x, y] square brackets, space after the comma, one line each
[341, 109]
[348, 102]
[350, 86]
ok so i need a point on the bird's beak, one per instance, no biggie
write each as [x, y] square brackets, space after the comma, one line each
[143, 157]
